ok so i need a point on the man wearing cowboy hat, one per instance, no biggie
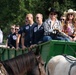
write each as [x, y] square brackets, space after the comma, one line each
[51, 24]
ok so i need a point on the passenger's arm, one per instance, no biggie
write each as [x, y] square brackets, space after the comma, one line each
[17, 41]
[7, 43]
[22, 41]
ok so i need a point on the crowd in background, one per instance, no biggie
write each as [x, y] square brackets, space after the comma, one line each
[51, 29]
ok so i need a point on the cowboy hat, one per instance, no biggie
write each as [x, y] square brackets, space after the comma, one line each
[53, 10]
[69, 11]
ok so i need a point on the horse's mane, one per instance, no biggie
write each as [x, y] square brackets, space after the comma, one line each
[20, 64]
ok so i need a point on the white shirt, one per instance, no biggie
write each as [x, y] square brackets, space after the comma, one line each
[30, 25]
[39, 26]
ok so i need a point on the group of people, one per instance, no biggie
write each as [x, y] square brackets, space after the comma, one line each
[31, 33]
[51, 29]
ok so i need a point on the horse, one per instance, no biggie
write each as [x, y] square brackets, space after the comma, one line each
[61, 65]
[29, 63]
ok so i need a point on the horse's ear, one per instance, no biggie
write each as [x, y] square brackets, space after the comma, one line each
[39, 60]
[37, 51]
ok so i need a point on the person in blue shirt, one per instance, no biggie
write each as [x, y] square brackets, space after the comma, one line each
[13, 37]
[10, 37]
[27, 33]
[20, 33]
[38, 30]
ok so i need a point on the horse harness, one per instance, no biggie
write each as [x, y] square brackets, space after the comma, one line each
[73, 63]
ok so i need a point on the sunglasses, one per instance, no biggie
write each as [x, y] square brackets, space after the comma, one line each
[37, 17]
[70, 14]
[52, 13]
[62, 19]
[16, 29]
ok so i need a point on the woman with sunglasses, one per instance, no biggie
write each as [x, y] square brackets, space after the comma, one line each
[18, 37]
[62, 19]
[70, 17]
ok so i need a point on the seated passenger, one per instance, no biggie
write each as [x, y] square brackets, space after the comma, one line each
[10, 37]
[38, 30]
[17, 40]
[20, 33]
[51, 24]
[27, 32]
[74, 33]
[62, 19]
[67, 29]
[70, 17]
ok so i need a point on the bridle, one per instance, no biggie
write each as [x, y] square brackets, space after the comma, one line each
[40, 69]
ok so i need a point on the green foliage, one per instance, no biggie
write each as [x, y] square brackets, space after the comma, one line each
[14, 11]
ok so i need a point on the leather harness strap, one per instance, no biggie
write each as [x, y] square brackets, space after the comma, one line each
[70, 60]
[74, 64]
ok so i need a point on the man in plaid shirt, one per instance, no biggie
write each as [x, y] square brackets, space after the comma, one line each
[51, 25]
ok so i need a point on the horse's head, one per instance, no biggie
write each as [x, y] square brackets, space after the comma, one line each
[37, 64]
[41, 65]
[40, 62]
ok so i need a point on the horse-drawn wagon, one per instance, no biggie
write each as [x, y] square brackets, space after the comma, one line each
[47, 50]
